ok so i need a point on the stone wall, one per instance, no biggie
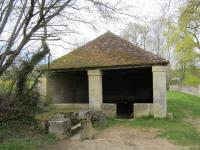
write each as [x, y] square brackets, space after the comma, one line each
[67, 88]
[72, 89]
[142, 109]
[70, 106]
[186, 89]
[109, 109]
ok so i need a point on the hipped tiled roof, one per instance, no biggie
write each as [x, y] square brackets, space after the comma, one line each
[107, 50]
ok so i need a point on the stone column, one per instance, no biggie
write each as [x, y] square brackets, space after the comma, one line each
[42, 89]
[95, 90]
[159, 91]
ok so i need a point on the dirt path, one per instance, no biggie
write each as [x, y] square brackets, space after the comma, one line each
[119, 138]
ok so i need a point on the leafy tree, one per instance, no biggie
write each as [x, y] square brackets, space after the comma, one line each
[184, 36]
[189, 21]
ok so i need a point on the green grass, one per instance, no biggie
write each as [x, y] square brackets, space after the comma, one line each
[19, 144]
[178, 131]
[19, 136]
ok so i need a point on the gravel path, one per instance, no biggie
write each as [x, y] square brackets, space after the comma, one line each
[119, 138]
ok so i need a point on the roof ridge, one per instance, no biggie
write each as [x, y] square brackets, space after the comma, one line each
[107, 50]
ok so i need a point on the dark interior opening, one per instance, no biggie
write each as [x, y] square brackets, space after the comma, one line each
[70, 87]
[126, 87]
[124, 109]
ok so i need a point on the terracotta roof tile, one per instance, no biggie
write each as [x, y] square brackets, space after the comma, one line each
[107, 50]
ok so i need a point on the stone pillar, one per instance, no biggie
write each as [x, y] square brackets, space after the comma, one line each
[159, 91]
[95, 90]
[42, 89]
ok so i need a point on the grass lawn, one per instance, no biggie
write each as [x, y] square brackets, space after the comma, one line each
[20, 136]
[180, 131]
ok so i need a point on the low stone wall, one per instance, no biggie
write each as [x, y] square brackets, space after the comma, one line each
[109, 109]
[142, 109]
[186, 89]
[71, 106]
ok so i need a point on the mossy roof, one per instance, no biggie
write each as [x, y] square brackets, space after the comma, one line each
[107, 50]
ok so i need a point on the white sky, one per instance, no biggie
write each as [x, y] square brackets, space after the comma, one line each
[145, 10]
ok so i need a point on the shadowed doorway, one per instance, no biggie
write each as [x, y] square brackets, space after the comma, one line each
[124, 87]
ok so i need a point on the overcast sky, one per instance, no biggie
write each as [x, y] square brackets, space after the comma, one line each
[145, 10]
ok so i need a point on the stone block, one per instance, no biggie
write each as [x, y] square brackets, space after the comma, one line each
[95, 72]
[87, 131]
[84, 114]
[159, 68]
[60, 127]
[98, 118]
[142, 109]
[159, 111]
[109, 109]
[170, 116]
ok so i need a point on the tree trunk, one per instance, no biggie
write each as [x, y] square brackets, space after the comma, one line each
[27, 68]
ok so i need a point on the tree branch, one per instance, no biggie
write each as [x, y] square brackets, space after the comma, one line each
[6, 16]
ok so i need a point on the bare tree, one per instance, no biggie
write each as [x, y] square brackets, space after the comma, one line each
[136, 33]
[22, 21]
[27, 27]
[32, 15]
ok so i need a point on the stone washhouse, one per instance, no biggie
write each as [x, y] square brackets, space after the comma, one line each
[108, 74]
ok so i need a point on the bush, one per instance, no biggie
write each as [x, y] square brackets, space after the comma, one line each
[12, 108]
